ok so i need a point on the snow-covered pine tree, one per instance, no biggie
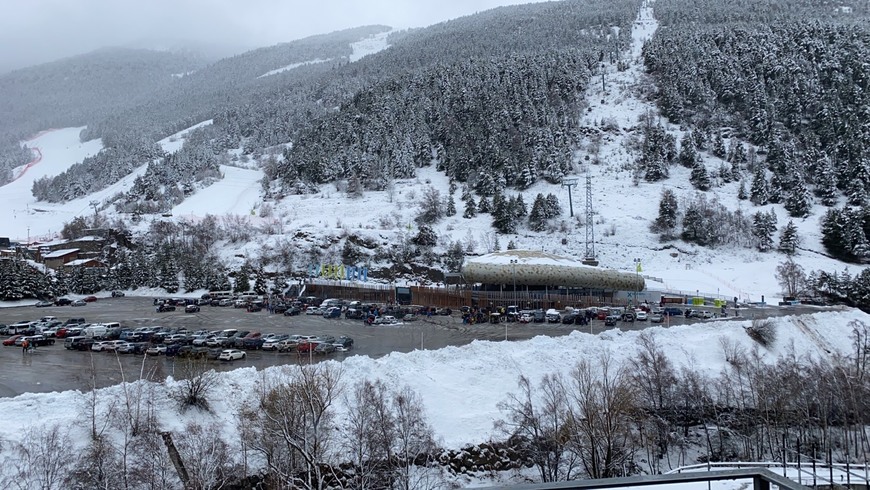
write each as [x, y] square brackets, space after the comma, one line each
[825, 181]
[470, 208]
[520, 209]
[798, 200]
[758, 193]
[741, 191]
[788, 239]
[699, 178]
[538, 214]
[666, 222]
[688, 153]
[719, 145]
[552, 208]
[763, 228]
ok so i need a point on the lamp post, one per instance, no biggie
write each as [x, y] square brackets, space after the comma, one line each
[514, 277]
[637, 269]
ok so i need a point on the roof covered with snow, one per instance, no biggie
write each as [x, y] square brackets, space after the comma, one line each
[533, 268]
[60, 253]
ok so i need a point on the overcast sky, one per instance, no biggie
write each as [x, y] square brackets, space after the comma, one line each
[36, 31]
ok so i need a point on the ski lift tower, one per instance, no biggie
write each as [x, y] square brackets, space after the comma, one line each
[589, 258]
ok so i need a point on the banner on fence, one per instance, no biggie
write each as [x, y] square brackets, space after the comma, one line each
[339, 272]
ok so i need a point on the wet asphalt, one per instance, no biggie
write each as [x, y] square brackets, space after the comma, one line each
[53, 368]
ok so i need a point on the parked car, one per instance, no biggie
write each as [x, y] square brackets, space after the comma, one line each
[165, 307]
[292, 311]
[78, 342]
[640, 316]
[344, 342]
[306, 347]
[132, 348]
[272, 343]
[332, 312]
[62, 302]
[324, 348]
[11, 340]
[191, 309]
[39, 340]
[610, 320]
[569, 319]
[156, 350]
[231, 355]
[553, 316]
[43, 304]
[90, 299]
[656, 318]
[78, 302]
[118, 294]
[287, 345]
[313, 310]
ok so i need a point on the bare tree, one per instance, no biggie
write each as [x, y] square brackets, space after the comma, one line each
[791, 278]
[414, 443]
[654, 380]
[39, 460]
[207, 457]
[602, 402]
[537, 423]
[369, 431]
[290, 426]
[197, 380]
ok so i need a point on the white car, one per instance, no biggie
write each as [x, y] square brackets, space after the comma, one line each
[640, 316]
[100, 346]
[314, 311]
[231, 355]
[156, 350]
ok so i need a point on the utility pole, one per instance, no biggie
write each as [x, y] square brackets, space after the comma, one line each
[589, 258]
[569, 183]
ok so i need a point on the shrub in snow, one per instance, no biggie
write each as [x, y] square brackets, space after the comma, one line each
[762, 331]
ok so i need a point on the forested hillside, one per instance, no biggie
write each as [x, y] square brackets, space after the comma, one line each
[789, 77]
[499, 91]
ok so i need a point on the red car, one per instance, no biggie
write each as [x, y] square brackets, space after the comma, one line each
[11, 340]
[90, 299]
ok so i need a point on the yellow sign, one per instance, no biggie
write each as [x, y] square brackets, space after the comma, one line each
[638, 268]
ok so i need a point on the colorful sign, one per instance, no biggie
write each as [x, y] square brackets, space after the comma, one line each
[339, 272]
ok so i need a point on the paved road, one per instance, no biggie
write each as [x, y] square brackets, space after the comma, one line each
[53, 368]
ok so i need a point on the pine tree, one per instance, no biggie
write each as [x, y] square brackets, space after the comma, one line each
[520, 210]
[741, 192]
[666, 222]
[260, 285]
[798, 201]
[450, 208]
[719, 145]
[503, 219]
[788, 239]
[688, 154]
[483, 206]
[699, 178]
[763, 228]
[511, 245]
[470, 208]
[552, 209]
[538, 214]
[169, 276]
[826, 182]
[758, 193]
[243, 283]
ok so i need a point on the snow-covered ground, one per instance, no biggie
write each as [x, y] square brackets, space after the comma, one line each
[292, 66]
[461, 387]
[369, 45]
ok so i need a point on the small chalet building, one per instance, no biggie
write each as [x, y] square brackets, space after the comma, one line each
[59, 258]
[84, 264]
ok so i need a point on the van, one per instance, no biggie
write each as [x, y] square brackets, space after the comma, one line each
[96, 331]
[329, 303]
[79, 342]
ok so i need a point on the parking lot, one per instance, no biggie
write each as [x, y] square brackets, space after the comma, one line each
[53, 368]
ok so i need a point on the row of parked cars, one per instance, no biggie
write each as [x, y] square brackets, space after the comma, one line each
[203, 343]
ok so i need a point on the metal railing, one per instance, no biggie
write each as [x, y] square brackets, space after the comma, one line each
[761, 479]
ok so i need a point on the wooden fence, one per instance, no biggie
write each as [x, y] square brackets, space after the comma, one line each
[454, 297]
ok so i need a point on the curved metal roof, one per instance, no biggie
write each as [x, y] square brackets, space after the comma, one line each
[533, 268]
